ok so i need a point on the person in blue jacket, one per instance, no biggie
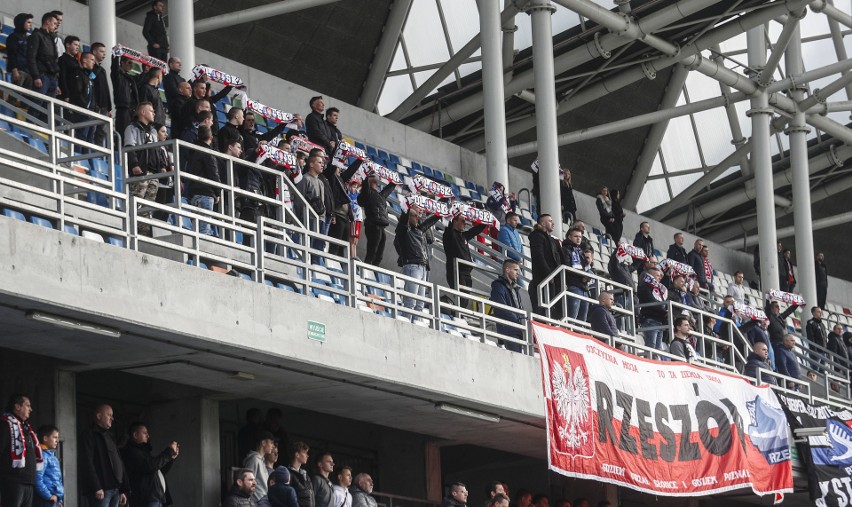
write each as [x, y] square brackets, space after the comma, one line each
[48, 486]
[510, 237]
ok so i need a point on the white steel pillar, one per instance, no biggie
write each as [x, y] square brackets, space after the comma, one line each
[102, 27]
[545, 110]
[761, 164]
[182, 33]
[496, 160]
[798, 132]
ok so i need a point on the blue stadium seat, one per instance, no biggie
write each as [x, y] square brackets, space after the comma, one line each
[15, 215]
[395, 159]
[372, 152]
[7, 29]
[480, 189]
[42, 222]
[416, 167]
[119, 178]
[38, 144]
[72, 229]
[361, 145]
[245, 276]
[200, 264]
[427, 171]
[238, 237]
[470, 185]
[268, 282]
[115, 241]
[4, 125]
[384, 155]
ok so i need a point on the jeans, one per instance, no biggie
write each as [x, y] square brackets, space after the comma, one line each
[203, 202]
[417, 271]
[111, 497]
[653, 338]
[577, 308]
[48, 87]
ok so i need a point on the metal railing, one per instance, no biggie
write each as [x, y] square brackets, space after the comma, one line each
[280, 251]
[561, 299]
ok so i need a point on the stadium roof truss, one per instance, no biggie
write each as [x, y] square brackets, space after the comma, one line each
[426, 73]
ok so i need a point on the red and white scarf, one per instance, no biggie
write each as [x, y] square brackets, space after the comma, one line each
[18, 432]
[138, 56]
[750, 312]
[345, 150]
[708, 270]
[218, 76]
[661, 293]
[785, 297]
[420, 183]
[626, 252]
[270, 113]
[280, 158]
[672, 267]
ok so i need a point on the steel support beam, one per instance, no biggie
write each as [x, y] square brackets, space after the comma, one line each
[618, 24]
[102, 27]
[832, 12]
[181, 33]
[496, 161]
[798, 135]
[448, 68]
[256, 14]
[746, 192]
[509, 28]
[761, 164]
[790, 25]
[786, 232]
[687, 194]
[653, 140]
[821, 95]
[540, 12]
[737, 138]
[565, 61]
[383, 55]
[839, 47]
[689, 56]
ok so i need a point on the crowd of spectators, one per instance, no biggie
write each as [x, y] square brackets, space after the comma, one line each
[109, 475]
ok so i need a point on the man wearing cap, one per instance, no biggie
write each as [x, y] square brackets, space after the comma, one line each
[253, 461]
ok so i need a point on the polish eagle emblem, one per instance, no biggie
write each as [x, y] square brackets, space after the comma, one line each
[570, 393]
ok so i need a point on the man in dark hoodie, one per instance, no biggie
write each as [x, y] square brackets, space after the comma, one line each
[456, 247]
[103, 479]
[146, 471]
[101, 99]
[16, 51]
[125, 92]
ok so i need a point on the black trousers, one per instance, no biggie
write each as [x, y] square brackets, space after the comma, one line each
[375, 243]
[13, 494]
[339, 230]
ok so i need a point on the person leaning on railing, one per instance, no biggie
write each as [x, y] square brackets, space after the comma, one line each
[506, 291]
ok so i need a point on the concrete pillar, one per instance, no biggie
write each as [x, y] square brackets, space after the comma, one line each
[102, 27]
[194, 478]
[65, 407]
[182, 33]
[545, 110]
[434, 484]
[761, 164]
[496, 160]
[798, 134]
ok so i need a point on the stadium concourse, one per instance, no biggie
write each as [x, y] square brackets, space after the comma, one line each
[238, 327]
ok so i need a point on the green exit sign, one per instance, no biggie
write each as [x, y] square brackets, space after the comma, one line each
[316, 331]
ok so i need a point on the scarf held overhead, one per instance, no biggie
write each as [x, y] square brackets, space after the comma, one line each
[270, 113]
[785, 297]
[218, 76]
[138, 56]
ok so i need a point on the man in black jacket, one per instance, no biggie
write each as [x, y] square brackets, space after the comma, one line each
[19, 459]
[601, 318]
[125, 92]
[546, 258]
[676, 250]
[821, 280]
[315, 123]
[644, 241]
[456, 247]
[154, 31]
[171, 81]
[68, 64]
[145, 161]
[101, 98]
[299, 479]
[375, 207]
[103, 479]
[148, 85]
[778, 322]
[203, 195]
[816, 328]
[42, 59]
[457, 497]
[201, 91]
[144, 470]
[410, 244]
[252, 138]
[231, 130]
[694, 258]
[79, 91]
[506, 291]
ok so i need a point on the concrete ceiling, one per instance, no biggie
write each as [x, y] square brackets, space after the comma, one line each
[189, 361]
[327, 48]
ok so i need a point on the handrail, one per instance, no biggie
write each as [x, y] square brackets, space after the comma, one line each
[480, 317]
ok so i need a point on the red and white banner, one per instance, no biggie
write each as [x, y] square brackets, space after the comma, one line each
[750, 312]
[432, 188]
[270, 113]
[785, 297]
[217, 76]
[301, 144]
[667, 428]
